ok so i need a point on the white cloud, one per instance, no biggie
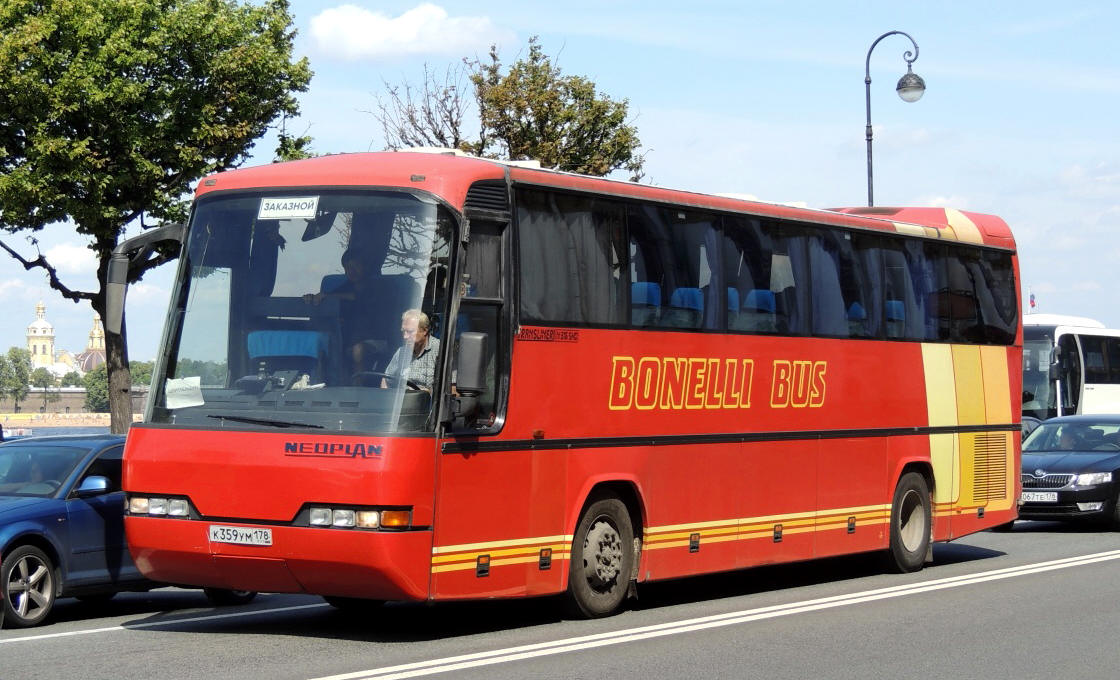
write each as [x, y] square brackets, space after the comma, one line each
[958, 202]
[352, 32]
[70, 258]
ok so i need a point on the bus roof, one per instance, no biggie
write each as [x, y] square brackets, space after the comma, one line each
[449, 175]
[1060, 320]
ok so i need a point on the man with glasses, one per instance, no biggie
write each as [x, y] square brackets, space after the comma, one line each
[415, 361]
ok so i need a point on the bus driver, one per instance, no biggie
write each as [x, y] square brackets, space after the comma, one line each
[416, 362]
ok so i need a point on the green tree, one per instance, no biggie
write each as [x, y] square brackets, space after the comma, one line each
[141, 372]
[110, 110]
[71, 379]
[15, 375]
[96, 383]
[44, 379]
[529, 112]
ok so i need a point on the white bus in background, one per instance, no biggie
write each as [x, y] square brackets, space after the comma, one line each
[1071, 364]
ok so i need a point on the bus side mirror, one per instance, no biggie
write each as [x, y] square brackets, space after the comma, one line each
[470, 379]
[1054, 371]
[130, 254]
[116, 285]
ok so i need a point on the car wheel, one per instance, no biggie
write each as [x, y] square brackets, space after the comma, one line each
[27, 582]
[223, 597]
[910, 524]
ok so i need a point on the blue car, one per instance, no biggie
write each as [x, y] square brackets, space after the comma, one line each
[62, 526]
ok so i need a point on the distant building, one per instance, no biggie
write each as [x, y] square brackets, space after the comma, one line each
[40, 345]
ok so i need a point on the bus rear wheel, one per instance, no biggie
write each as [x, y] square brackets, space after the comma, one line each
[602, 559]
[910, 524]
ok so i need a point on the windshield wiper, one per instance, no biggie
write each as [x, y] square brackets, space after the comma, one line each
[264, 421]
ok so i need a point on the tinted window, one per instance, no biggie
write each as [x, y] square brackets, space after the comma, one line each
[572, 258]
[1096, 369]
[674, 257]
[845, 285]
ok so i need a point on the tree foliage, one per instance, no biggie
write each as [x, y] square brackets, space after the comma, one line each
[15, 375]
[109, 110]
[532, 111]
[71, 379]
[96, 383]
[45, 380]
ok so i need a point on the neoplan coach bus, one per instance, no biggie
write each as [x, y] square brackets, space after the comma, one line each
[623, 383]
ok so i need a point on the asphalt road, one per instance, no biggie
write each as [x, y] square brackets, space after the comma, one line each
[1040, 602]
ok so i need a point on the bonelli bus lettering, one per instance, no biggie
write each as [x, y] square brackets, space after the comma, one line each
[656, 383]
[676, 383]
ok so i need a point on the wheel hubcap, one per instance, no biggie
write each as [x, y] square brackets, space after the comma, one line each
[911, 521]
[602, 555]
[29, 588]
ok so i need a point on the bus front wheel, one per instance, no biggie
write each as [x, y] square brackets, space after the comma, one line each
[910, 524]
[602, 559]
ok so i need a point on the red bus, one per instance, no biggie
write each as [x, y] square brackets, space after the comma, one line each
[416, 376]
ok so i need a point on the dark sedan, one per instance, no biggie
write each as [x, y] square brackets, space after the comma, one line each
[62, 526]
[1071, 470]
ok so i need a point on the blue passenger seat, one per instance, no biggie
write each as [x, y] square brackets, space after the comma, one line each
[645, 303]
[895, 312]
[686, 309]
[758, 311]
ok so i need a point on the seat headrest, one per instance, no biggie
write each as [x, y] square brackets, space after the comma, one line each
[286, 344]
[896, 310]
[687, 298]
[760, 300]
[645, 293]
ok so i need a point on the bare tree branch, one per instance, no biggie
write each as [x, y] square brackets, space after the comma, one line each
[52, 275]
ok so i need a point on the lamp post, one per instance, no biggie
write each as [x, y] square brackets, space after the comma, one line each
[910, 88]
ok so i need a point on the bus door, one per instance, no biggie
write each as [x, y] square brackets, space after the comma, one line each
[482, 493]
[1069, 375]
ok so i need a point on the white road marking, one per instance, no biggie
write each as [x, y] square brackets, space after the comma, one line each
[154, 624]
[455, 663]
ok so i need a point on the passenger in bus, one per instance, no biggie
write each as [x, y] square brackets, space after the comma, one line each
[414, 361]
[361, 335]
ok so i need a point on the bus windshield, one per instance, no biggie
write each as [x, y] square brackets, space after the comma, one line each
[308, 309]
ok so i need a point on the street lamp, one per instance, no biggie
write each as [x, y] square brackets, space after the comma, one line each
[910, 88]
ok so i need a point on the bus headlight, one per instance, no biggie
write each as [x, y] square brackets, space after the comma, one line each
[159, 506]
[342, 518]
[356, 518]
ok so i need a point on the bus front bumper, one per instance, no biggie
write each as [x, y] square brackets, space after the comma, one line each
[380, 565]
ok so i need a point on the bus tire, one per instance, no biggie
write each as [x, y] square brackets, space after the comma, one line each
[602, 560]
[910, 524]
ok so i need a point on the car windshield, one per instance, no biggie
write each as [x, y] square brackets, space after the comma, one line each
[308, 309]
[36, 470]
[1074, 437]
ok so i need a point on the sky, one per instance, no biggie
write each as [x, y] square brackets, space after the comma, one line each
[767, 99]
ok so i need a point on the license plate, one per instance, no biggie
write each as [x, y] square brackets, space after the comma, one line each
[240, 535]
[1040, 496]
